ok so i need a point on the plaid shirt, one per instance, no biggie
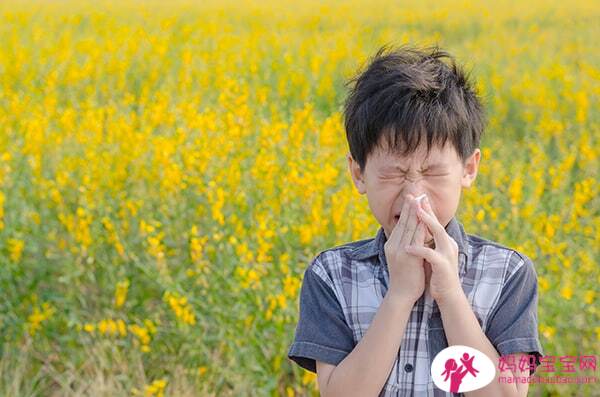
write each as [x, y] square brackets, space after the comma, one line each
[343, 287]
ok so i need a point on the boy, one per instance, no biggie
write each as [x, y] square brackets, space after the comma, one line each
[374, 313]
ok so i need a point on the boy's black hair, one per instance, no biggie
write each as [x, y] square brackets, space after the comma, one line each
[408, 94]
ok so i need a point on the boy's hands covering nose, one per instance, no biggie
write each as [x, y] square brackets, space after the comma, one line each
[445, 282]
[407, 276]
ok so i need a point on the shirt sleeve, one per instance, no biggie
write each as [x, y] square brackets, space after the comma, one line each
[513, 325]
[322, 332]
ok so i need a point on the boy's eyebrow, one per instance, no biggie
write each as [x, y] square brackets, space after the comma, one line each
[398, 168]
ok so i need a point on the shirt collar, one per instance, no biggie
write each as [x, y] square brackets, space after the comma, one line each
[374, 247]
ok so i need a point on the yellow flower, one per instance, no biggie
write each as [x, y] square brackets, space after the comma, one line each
[142, 334]
[38, 316]
[180, 306]
[121, 327]
[589, 295]
[547, 331]
[566, 292]
[102, 326]
[308, 377]
[480, 215]
[515, 190]
[121, 293]
[150, 325]
[15, 248]
[156, 388]
[291, 285]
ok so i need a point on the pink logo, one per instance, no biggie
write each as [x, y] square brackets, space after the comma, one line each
[457, 374]
[462, 368]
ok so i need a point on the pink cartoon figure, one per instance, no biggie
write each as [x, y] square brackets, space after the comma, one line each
[468, 363]
[450, 366]
[457, 374]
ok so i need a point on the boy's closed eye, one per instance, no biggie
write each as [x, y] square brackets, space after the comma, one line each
[396, 176]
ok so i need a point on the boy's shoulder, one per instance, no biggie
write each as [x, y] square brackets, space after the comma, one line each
[486, 253]
[354, 250]
[349, 248]
[331, 262]
[477, 242]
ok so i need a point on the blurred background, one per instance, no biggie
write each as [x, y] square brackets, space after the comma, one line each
[169, 169]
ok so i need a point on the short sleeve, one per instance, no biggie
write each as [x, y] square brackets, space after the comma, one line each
[322, 332]
[513, 325]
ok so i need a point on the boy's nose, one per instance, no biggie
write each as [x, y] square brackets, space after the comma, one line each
[413, 185]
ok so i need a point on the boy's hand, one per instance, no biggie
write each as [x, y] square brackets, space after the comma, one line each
[407, 276]
[445, 282]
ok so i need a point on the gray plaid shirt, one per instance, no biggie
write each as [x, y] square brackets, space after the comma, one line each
[344, 286]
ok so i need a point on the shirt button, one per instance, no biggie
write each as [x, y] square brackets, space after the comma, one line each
[408, 367]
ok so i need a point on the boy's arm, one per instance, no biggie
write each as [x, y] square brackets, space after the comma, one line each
[365, 370]
[512, 327]
[324, 337]
[462, 328]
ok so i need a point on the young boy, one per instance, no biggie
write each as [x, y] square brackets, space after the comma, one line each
[374, 313]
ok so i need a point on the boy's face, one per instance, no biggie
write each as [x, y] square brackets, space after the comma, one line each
[441, 176]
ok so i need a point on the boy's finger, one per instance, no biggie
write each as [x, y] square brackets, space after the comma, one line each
[401, 224]
[428, 236]
[435, 227]
[411, 225]
[431, 256]
[419, 237]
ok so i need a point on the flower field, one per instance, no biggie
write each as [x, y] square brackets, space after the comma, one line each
[169, 169]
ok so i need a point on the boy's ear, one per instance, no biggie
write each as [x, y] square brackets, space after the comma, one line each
[470, 169]
[357, 176]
